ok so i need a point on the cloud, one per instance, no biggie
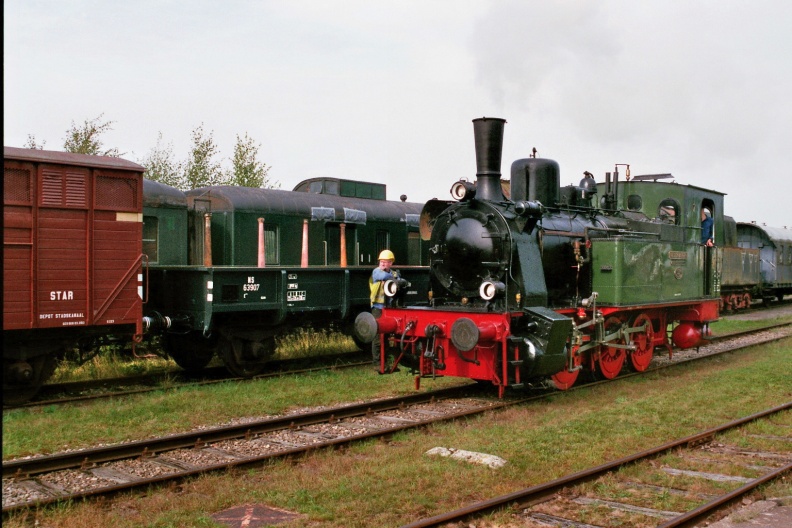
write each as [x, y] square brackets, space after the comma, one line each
[694, 88]
[386, 91]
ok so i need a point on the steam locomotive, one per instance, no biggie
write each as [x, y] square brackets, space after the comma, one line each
[550, 282]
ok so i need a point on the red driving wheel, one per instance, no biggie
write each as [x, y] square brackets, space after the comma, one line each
[565, 379]
[611, 358]
[644, 344]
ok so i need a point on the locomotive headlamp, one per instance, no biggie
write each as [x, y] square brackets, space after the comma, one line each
[392, 286]
[463, 190]
[491, 289]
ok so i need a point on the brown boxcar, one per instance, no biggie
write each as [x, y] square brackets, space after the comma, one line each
[72, 272]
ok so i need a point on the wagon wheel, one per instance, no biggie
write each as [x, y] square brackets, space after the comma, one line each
[190, 351]
[564, 380]
[246, 358]
[18, 392]
[360, 344]
[349, 329]
[746, 299]
[644, 344]
[611, 358]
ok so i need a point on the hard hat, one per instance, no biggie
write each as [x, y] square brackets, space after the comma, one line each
[386, 254]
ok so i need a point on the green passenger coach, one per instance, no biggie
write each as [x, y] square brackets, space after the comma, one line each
[230, 268]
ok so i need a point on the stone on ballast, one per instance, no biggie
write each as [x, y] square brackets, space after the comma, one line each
[492, 461]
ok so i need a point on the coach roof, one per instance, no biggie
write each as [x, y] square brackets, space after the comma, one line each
[275, 201]
[774, 234]
[69, 158]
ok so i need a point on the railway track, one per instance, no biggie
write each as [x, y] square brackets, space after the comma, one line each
[561, 502]
[37, 481]
[63, 393]
[732, 335]
[109, 469]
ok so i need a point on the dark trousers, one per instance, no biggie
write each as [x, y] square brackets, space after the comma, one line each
[375, 345]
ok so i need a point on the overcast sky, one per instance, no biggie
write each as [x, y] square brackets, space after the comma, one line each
[385, 90]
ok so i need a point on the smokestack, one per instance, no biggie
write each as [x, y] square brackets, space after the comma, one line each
[488, 133]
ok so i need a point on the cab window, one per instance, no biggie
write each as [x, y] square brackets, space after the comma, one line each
[668, 211]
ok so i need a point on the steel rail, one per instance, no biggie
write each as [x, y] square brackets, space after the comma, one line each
[157, 378]
[740, 333]
[75, 459]
[148, 447]
[144, 448]
[540, 491]
[697, 515]
[216, 435]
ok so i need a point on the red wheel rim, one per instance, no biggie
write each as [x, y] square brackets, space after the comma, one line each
[643, 341]
[611, 358]
[564, 380]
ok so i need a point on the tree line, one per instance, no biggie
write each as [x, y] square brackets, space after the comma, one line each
[199, 169]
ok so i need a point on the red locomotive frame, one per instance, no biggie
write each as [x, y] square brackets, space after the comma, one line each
[623, 335]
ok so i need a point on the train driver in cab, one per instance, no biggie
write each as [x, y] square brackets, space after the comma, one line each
[707, 231]
[381, 273]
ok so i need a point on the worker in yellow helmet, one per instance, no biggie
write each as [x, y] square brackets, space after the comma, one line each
[381, 273]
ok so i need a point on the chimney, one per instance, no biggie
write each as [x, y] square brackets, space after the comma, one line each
[488, 133]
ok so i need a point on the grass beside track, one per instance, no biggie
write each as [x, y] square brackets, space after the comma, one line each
[389, 483]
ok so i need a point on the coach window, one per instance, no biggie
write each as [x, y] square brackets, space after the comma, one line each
[413, 249]
[383, 241]
[668, 211]
[150, 230]
[271, 245]
[331, 187]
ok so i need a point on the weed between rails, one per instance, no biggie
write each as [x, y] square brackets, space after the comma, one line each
[111, 362]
